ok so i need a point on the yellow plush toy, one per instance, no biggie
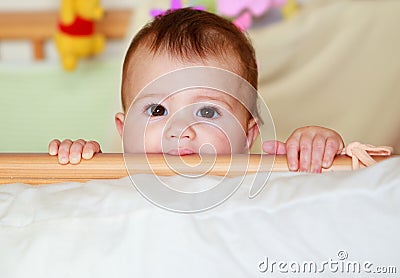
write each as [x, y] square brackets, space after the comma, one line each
[76, 37]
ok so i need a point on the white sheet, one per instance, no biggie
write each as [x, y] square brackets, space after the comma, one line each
[107, 229]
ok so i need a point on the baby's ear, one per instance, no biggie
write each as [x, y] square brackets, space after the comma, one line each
[119, 122]
[252, 132]
[67, 11]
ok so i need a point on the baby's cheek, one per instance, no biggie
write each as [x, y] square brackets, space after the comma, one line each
[209, 135]
[152, 138]
[142, 137]
[132, 140]
[232, 139]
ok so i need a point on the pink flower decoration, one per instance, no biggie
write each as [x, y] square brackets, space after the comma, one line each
[243, 22]
[233, 8]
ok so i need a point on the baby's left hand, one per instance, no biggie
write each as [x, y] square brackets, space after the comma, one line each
[308, 149]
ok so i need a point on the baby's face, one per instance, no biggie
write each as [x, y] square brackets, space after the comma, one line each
[198, 120]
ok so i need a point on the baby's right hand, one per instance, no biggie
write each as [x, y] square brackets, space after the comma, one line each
[73, 151]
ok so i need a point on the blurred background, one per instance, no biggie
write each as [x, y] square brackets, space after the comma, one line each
[333, 63]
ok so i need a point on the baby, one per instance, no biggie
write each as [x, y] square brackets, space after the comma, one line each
[197, 120]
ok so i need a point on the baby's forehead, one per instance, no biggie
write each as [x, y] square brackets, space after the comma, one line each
[160, 72]
[233, 96]
[189, 94]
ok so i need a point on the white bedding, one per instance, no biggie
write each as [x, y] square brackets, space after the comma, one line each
[107, 229]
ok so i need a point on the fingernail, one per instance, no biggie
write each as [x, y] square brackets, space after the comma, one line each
[325, 164]
[292, 167]
[74, 160]
[52, 151]
[87, 155]
[63, 160]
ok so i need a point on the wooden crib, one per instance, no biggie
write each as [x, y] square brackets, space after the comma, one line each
[36, 168]
[102, 227]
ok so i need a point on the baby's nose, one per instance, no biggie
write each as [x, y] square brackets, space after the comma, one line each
[180, 124]
[180, 130]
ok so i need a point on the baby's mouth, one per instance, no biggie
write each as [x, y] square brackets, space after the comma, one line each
[180, 151]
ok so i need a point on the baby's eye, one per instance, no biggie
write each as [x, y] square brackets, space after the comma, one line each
[156, 110]
[208, 112]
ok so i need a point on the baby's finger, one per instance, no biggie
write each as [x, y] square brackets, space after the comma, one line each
[63, 151]
[90, 149]
[274, 147]
[305, 153]
[53, 147]
[75, 151]
[292, 149]
[331, 148]
[318, 148]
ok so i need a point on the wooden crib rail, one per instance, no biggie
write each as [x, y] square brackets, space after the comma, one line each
[35, 168]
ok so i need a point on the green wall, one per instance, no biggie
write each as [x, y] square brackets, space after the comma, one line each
[39, 101]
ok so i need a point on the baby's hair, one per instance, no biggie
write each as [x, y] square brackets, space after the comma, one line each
[189, 35]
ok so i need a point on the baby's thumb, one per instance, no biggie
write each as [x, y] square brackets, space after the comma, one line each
[274, 147]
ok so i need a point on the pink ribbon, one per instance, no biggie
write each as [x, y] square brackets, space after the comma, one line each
[362, 153]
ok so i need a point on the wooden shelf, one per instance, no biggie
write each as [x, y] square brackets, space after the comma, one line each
[38, 27]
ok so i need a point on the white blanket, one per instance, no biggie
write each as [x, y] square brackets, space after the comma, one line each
[299, 223]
